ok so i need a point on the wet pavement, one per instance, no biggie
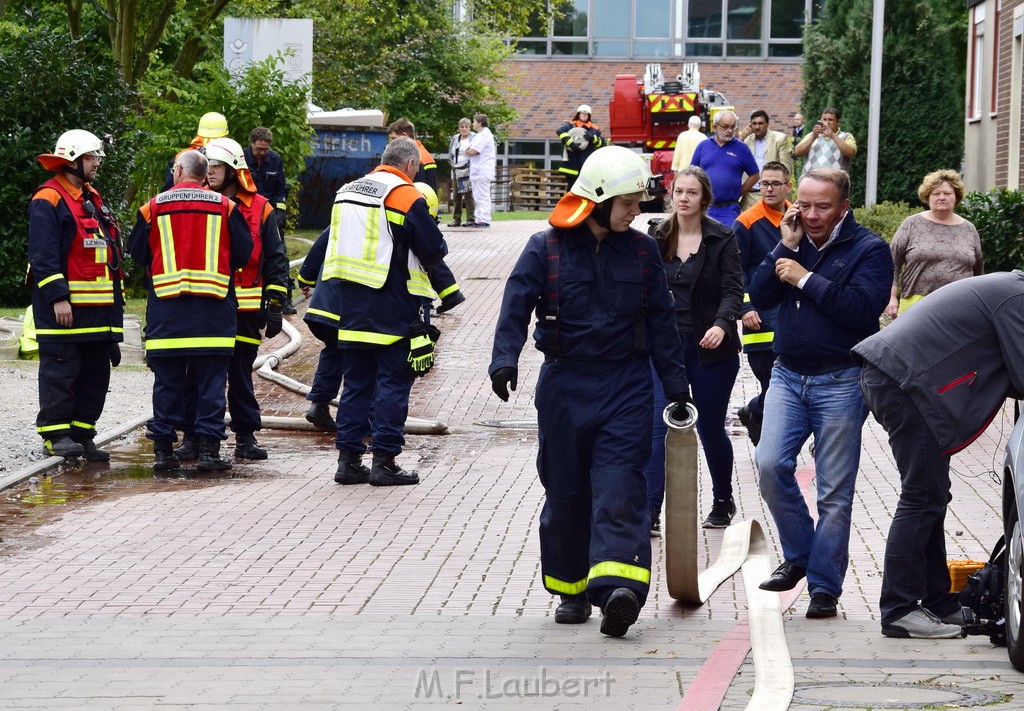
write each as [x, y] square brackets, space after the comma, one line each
[271, 587]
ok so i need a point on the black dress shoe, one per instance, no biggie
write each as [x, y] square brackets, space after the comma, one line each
[822, 605]
[574, 610]
[785, 577]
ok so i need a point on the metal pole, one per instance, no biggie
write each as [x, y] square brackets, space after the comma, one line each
[874, 102]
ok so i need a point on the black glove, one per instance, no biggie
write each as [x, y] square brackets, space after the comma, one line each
[502, 379]
[274, 311]
[115, 355]
[681, 400]
[450, 302]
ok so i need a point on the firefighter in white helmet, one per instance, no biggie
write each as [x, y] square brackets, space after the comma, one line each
[580, 137]
[74, 250]
[603, 312]
[260, 289]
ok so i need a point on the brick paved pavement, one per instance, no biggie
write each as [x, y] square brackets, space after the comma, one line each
[270, 587]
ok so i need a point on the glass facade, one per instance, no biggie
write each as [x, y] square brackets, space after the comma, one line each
[631, 29]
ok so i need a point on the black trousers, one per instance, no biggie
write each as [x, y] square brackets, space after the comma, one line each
[761, 363]
[170, 392]
[915, 570]
[73, 381]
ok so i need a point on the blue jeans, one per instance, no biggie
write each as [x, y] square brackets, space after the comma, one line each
[710, 384]
[831, 407]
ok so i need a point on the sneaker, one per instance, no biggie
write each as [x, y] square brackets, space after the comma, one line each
[479, 224]
[619, 612]
[574, 610]
[922, 624]
[822, 605]
[721, 514]
[655, 524]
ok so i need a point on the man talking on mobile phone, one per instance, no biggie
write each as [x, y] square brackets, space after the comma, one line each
[830, 279]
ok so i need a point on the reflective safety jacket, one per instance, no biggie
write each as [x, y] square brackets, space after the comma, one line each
[191, 241]
[428, 167]
[75, 256]
[574, 157]
[267, 268]
[757, 232]
[381, 245]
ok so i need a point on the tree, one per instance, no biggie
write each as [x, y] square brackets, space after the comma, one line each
[921, 123]
[69, 85]
[419, 63]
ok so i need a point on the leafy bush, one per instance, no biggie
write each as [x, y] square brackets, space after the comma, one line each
[999, 217]
[885, 218]
[53, 84]
[258, 97]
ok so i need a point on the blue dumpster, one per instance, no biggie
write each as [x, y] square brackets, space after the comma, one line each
[339, 156]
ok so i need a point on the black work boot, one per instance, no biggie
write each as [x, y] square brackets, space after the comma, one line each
[574, 610]
[319, 414]
[209, 456]
[164, 459]
[92, 452]
[246, 447]
[621, 611]
[64, 446]
[386, 472]
[351, 470]
[188, 449]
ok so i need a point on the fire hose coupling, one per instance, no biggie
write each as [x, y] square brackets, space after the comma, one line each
[687, 423]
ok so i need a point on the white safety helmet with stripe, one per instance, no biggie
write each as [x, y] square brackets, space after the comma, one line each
[226, 150]
[610, 171]
[584, 109]
[71, 146]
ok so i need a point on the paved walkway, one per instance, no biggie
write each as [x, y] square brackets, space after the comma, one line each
[271, 587]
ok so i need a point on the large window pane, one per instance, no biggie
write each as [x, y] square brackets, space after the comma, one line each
[787, 18]
[532, 47]
[573, 21]
[744, 18]
[735, 49]
[611, 19]
[652, 18]
[705, 19]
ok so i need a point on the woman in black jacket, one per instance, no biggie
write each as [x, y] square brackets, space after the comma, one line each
[702, 263]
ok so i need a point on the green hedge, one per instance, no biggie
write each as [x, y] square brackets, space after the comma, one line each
[999, 217]
[885, 217]
[53, 84]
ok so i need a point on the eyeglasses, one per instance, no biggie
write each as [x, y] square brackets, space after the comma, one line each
[773, 185]
[726, 128]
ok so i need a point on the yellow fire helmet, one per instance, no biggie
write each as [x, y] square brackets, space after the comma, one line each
[430, 196]
[212, 125]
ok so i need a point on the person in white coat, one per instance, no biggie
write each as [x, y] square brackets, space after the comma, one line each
[482, 154]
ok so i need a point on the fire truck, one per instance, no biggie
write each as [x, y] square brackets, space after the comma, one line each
[651, 113]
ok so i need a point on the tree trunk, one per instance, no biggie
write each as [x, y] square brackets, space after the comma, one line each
[192, 49]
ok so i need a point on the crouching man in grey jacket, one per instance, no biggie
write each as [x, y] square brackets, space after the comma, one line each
[934, 379]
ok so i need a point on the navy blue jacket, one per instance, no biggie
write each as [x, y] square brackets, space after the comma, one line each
[838, 306]
[600, 287]
[269, 176]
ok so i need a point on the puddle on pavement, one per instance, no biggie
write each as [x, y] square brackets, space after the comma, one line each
[45, 498]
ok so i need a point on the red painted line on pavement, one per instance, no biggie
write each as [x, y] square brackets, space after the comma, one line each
[709, 687]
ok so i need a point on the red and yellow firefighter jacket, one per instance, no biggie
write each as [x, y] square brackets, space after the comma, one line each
[191, 241]
[265, 275]
[74, 254]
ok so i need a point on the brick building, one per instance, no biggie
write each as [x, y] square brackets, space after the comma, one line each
[993, 130]
[748, 50]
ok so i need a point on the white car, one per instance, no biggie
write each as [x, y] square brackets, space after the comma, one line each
[1013, 522]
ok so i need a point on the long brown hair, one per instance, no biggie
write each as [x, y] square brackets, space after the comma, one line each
[672, 235]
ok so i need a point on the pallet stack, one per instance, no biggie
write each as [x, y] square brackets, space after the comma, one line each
[535, 188]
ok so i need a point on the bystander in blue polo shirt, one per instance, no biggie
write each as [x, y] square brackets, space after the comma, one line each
[725, 166]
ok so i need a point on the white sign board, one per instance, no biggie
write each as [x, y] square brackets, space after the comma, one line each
[253, 40]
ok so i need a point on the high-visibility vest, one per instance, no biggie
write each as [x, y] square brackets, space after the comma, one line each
[249, 279]
[190, 243]
[90, 277]
[356, 251]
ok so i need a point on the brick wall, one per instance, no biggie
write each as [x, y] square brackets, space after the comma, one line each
[548, 91]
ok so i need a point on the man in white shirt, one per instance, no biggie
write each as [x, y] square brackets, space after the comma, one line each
[686, 143]
[482, 154]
